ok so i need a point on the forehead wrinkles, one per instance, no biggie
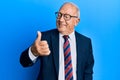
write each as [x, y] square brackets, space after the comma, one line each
[68, 9]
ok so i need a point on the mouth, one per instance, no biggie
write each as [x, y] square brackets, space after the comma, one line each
[61, 24]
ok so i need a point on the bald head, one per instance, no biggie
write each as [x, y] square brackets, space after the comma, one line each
[71, 6]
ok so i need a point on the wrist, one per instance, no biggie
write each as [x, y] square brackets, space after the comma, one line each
[34, 51]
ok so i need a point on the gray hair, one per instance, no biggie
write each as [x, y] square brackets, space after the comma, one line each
[78, 10]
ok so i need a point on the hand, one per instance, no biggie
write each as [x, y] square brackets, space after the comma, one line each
[40, 47]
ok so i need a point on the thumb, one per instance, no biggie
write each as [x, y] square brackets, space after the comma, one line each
[38, 36]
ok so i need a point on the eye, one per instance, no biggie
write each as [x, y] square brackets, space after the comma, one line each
[67, 16]
[59, 15]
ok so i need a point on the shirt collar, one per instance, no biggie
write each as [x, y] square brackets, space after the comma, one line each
[71, 36]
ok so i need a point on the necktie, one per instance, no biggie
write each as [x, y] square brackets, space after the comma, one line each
[67, 59]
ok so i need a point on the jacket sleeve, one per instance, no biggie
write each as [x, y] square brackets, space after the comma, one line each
[25, 60]
[88, 74]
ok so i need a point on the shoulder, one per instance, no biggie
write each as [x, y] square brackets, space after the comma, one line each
[82, 37]
[47, 34]
[83, 40]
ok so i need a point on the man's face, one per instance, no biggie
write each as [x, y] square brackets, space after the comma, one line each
[67, 26]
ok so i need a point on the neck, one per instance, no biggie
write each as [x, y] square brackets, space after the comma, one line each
[66, 33]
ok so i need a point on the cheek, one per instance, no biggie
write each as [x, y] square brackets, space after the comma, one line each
[70, 25]
[57, 21]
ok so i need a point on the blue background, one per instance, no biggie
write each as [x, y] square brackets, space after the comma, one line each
[20, 20]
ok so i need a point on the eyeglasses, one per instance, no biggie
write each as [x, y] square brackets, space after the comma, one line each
[65, 16]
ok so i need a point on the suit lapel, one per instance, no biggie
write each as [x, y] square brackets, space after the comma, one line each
[55, 49]
[79, 54]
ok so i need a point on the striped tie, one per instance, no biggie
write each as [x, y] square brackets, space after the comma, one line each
[67, 59]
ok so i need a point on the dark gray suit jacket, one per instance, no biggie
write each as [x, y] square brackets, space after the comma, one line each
[49, 67]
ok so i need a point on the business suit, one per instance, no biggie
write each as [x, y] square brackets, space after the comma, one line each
[49, 67]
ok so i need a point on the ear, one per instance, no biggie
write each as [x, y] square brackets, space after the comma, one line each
[77, 21]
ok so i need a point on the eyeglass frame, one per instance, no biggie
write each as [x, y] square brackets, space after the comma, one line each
[56, 13]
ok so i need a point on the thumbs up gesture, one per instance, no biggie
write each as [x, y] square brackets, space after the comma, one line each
[40, 47]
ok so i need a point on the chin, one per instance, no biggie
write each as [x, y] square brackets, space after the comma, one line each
[61, 30]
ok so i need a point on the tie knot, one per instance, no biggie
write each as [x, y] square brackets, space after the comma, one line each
[65, 37]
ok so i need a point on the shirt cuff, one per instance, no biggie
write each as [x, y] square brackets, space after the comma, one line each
[31, 56]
